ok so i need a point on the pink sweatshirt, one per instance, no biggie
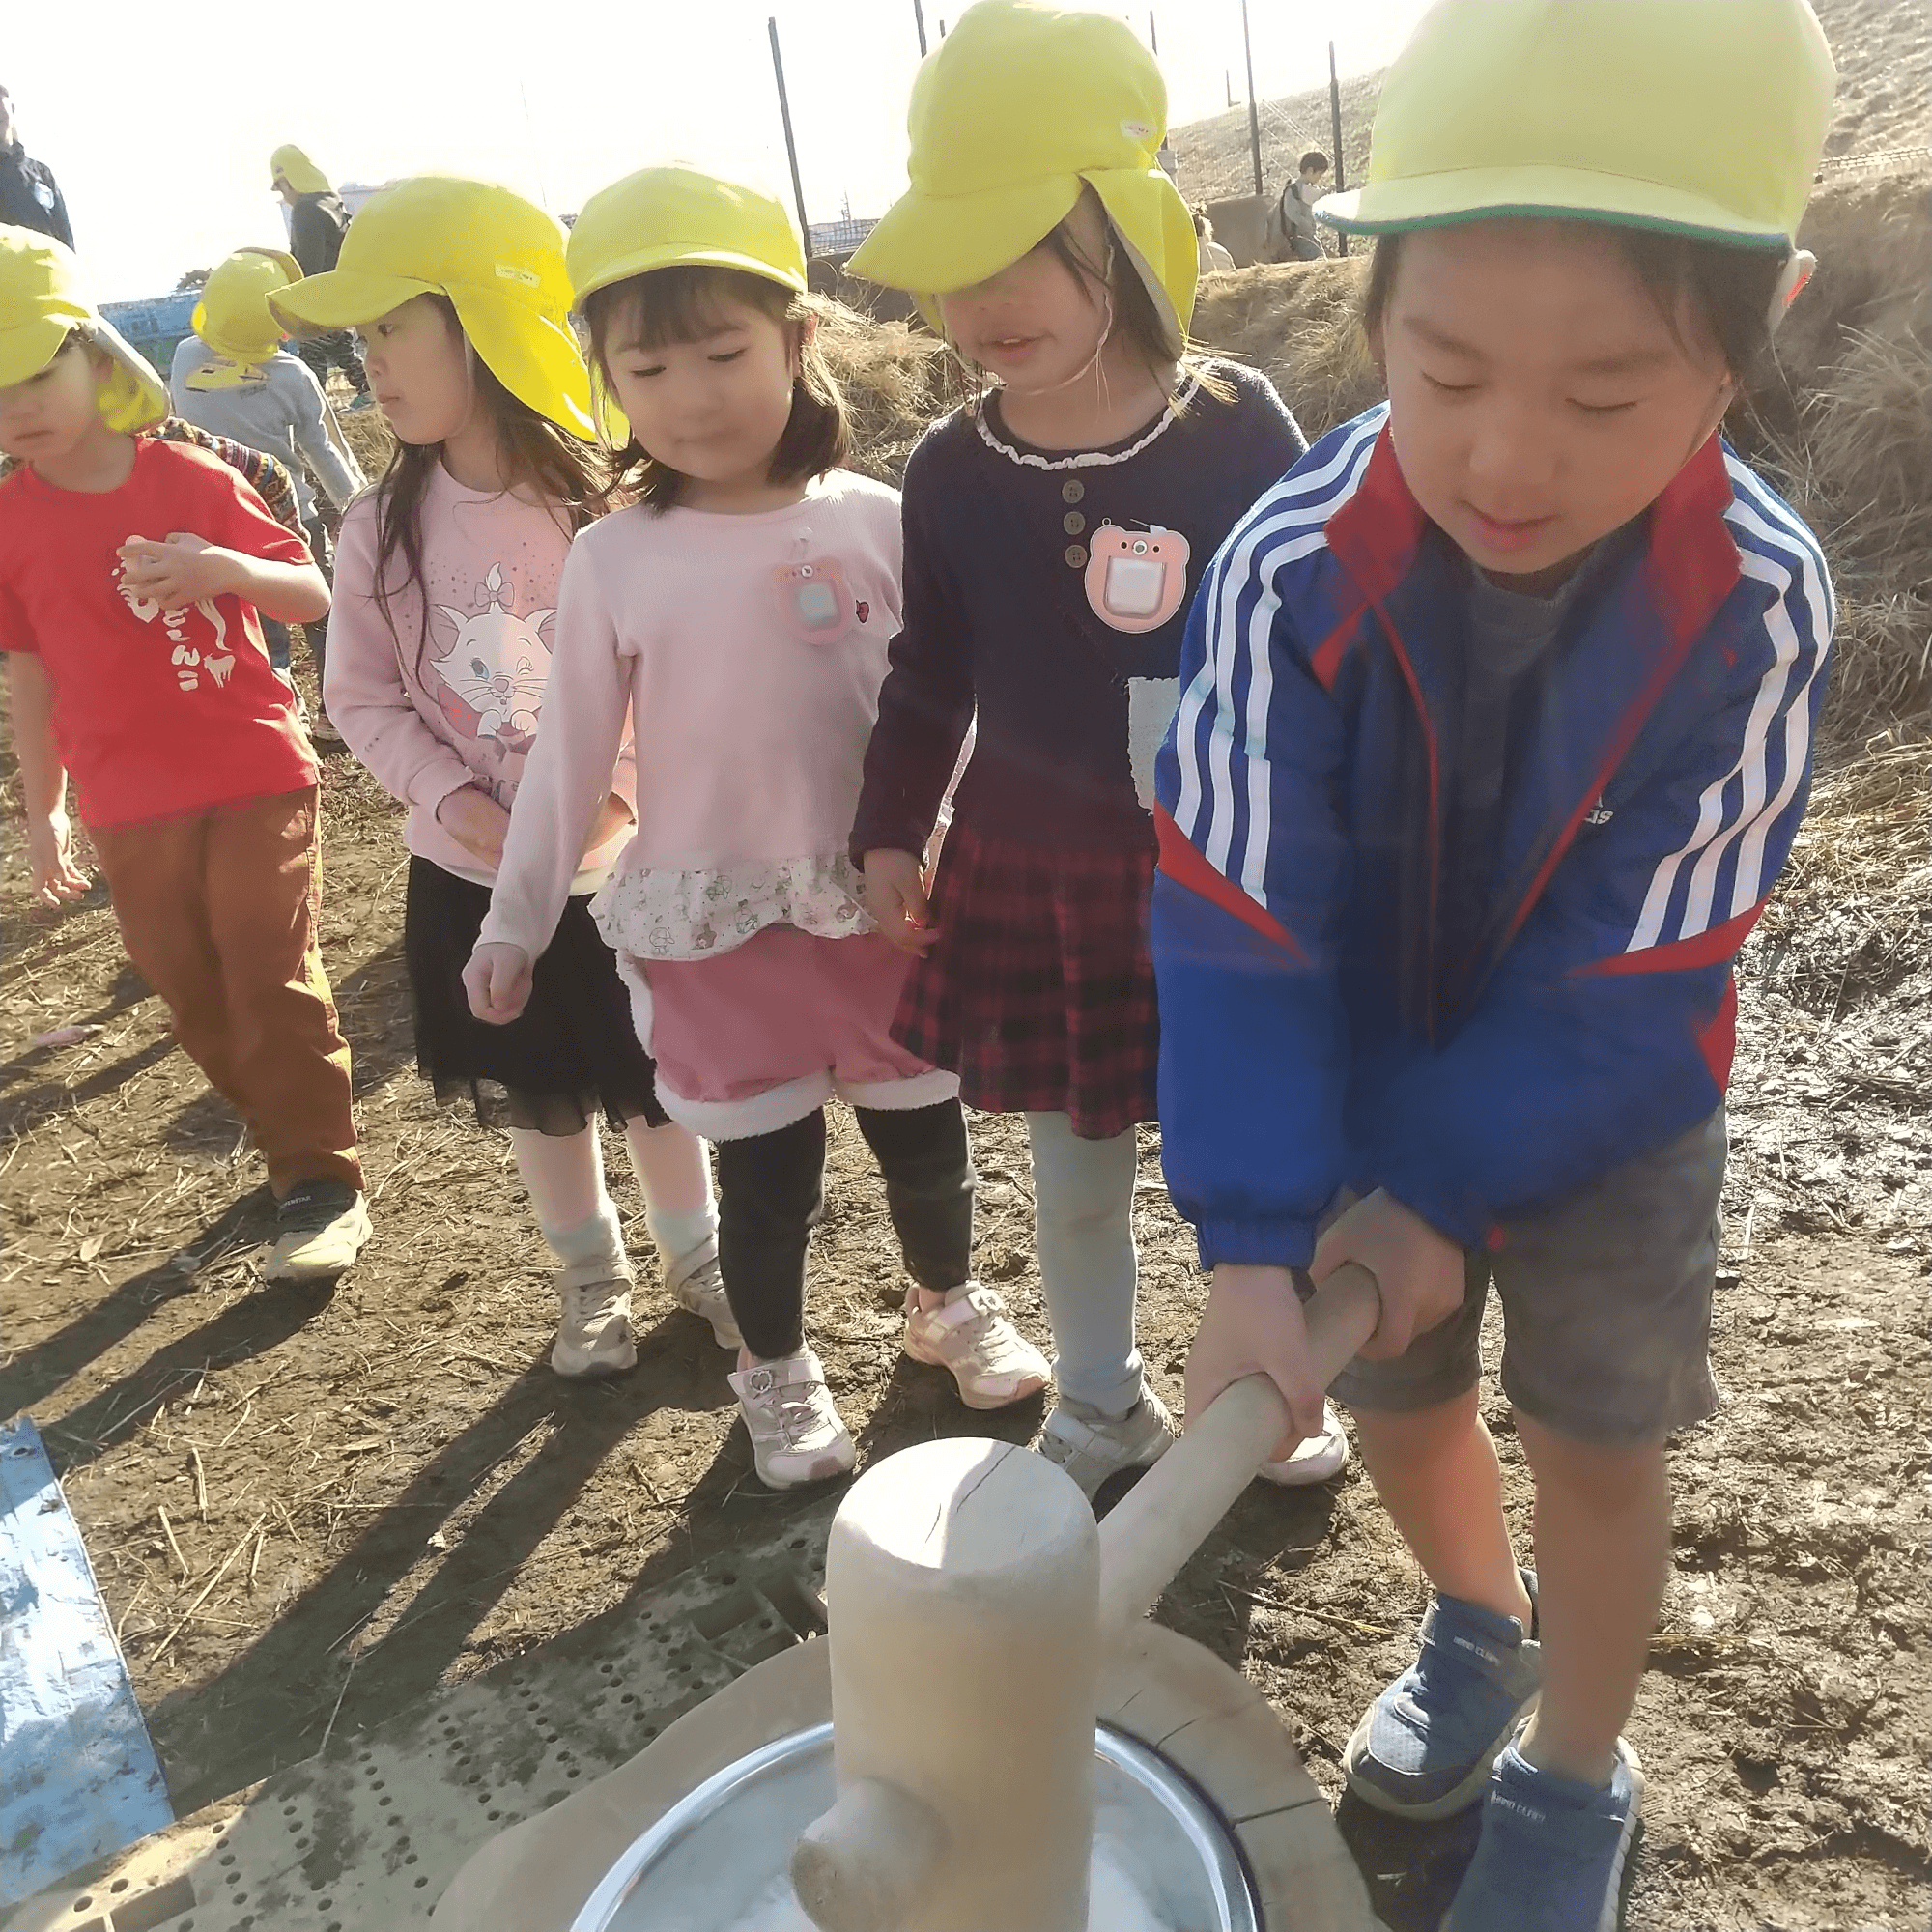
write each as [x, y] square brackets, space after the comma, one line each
[462, 707]
[749, 651]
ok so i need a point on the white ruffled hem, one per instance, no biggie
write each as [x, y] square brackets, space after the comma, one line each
[663, 915]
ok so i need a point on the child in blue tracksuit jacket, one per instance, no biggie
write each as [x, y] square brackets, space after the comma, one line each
[1495, 731]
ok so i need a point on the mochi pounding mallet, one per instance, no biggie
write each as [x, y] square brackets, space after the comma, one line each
[965, 1788]
[961, 1583]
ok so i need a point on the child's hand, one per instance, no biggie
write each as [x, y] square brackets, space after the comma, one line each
[497, 981]
[475, 821]
[1254, 1326]
[612, 816]
[895, 896]
[184, 570]
[56, 878]
[1419, 1272]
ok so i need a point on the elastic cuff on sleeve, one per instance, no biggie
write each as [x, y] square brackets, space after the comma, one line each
[1287, 1243]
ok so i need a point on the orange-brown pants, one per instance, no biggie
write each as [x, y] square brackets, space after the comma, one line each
[219, 909]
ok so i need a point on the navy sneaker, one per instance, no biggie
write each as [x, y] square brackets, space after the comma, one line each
[1428, 1744]
[1552, 1852]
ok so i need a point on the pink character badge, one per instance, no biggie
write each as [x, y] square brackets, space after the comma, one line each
[1136, 580]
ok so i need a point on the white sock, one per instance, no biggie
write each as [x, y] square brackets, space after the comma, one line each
[592, 1251]
[680, 1232]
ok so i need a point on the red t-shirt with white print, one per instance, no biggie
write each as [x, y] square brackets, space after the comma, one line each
[158, 713]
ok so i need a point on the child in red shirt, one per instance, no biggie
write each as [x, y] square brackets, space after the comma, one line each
[132, 573]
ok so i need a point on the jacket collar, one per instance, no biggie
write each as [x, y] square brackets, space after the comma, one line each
[1637, 634]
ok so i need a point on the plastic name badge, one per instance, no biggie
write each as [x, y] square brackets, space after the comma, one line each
[814, 600]
[1136, 580]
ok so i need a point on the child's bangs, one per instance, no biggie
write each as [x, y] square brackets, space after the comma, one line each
[687, 303]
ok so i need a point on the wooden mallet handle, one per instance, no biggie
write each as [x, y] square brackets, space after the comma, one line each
[1168, 1513]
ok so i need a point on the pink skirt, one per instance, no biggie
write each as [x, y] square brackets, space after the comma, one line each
[753, 1039]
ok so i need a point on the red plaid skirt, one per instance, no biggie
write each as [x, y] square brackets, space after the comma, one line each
[1039, 993]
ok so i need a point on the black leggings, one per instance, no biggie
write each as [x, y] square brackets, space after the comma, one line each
[770, 1194]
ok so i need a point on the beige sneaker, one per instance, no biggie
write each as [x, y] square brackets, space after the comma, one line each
[971, 1334]
[796, 1435]
[594, 1337]
[1093, 1447]
[695, 1285]
[1316, 1460]
[321, 1227]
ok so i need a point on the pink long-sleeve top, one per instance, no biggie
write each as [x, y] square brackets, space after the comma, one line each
[430, 708]
[749, 651]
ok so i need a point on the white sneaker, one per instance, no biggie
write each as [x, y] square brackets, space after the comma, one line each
[594, 1338]
[1091, 1447]
[1316, 1460]
[796, 1435]
[320, 1228]
[696, 1284]
[971, 1334]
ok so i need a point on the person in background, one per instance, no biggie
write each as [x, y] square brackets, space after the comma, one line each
[1498, 731]
[233, 377]
[446, 593]
[1297, 207]
[1054, 528]
[1213, 258]
[29, 197]
[317, 224]
[132, 572]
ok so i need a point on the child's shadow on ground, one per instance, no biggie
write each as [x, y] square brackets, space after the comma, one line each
[1412, 1870]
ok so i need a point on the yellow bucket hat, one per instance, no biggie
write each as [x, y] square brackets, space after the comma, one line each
[41, 304]
[234, 318]
[1017, 107]
[289, 164]
[495, 256]
[1691, 117]
[676, 217]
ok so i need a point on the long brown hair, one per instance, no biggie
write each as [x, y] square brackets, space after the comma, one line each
[537, 455]
[684, 303]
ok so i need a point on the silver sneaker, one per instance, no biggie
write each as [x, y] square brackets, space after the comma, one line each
[1315, 1460]
[321, 1227]
[971, 1335]
[695, 1285]
[1092, 1447]
[796, 1435]
[594, 1336]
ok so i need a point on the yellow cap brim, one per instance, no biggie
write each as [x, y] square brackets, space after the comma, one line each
[342, 299]
[536, 360]
[132, 398]
[27, 350]
[933, 243]
[682, 255]
[1493, 194]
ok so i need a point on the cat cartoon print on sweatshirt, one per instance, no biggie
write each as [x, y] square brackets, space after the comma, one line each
[488, 678]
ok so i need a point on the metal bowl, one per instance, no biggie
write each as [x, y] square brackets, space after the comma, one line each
[717, 1862]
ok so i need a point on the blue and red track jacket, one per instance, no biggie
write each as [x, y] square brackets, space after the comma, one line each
[1310, 1036]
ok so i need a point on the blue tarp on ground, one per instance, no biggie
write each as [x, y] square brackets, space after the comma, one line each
[78, 1777]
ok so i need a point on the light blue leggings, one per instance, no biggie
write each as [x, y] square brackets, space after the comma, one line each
[1083, 1194]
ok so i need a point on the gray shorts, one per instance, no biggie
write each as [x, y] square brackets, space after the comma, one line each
[1606, 1307]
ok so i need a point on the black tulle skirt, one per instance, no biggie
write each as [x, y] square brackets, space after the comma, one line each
[571, 1054]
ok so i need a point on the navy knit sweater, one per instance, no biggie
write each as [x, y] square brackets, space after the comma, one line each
[997, 540]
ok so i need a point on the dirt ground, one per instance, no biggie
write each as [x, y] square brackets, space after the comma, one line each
[305, 1510]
